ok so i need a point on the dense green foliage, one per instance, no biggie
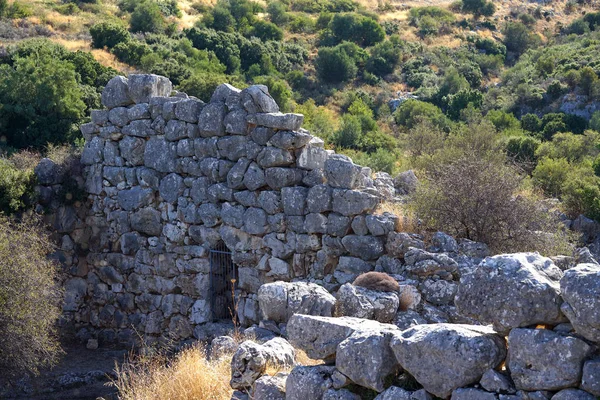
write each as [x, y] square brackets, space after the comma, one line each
[108, 35]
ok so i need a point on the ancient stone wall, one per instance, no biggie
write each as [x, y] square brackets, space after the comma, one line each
[168, 177]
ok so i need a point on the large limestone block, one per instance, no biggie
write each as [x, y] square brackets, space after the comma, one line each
[580, 288]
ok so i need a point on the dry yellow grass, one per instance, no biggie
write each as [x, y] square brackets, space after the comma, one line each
[407, 220]
[188, 376]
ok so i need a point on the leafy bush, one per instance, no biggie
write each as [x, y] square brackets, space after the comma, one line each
[41, 101]
[518, 38]
[581, 194]
[550, 175]
[16, 187]
[356, 28]
[106, 34]
[477, 199]
[522, 149]
[29, 299]
[385, 56]
[147, 17]
[479, 7]
[338, 64]
[265, 30]
[431, 20]
[411, 112]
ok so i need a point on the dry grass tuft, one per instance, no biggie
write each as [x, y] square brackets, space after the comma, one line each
[407, 220]
[187, 376]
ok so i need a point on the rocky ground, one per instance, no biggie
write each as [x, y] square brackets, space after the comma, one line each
[82, 374]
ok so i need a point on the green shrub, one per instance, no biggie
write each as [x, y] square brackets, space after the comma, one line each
[202, 85]
[356, 28]
[531, 123]
[478, 7]
[522, 149]
[278, 12]
[595, 121]
[131, 52]
[411, 112]
[581, 194]
[106, 34]
[578, 27]
[265, 30]
[550, 174]
[40, 101]
[462, 100]
[518, 38]
[147, 17]
[385, 56]
[431, 20]
[16, 187]
[29, 299]
[337, 64]
[503, 120]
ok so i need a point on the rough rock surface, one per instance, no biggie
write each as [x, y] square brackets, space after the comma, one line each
[540, 359]
[278, 301]
[396, 393]
[367, 359]
[269, 387]
[580, 287]
[251, 359]
[305, 383]
[444, 357]
[360, 302]
[511, 291]
[320, 336]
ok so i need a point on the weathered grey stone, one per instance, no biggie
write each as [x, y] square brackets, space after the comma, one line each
[494, 381]
[318, 199]
[254, 177]
[223, 91]
[269, 387]
[472, 394]
[396, 393]
[359, 225]
[365, 247]
[320, 336]
[406, 182]
[256, 98]
[160, 155]
[139, 128]
[189, 110]
[444, 357]
[75, 291]
[590, 379]
[278, 301]
[352, 202]
[290, 122]
[274, 157]
[337, 225]
[360, 302]
[278, 177]
[381, 225]
[211, 120]
[511, 291]
[398, 243]
[290, 139]
[171, 187]
[579, 289]
[540, 359]
[147, 220]
[315, 223]
[222, 346]
[135, 198]
[236, 174]
[142, 87]
[308, 382]
[175, 130]
[572, 394]
[132, 150]
[48, 172]
[118, 116]
[341, 172]
[311, 157]
[251, 359]
[438, 292]
[255, 221]
[342, 394]
[367, 359]
[235, 122]
[443, 243]
[232, 147]
[116, 93]
[92, 151]
[261, 135]
[293, 200]
[278, 269]
[210, 214]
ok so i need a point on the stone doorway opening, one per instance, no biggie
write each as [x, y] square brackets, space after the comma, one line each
[223, 283]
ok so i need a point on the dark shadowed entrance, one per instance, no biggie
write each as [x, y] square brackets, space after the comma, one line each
[223, 281]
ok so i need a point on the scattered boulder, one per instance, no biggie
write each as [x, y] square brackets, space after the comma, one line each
[222, 346]
[540, 359]
[580, 287]
[406, 182]
[269, 387]
[360, 302]
[444, 357]
[251, 359]
[320, 336]
[367, 359]
[278, 301]
[511, 291]
[306, 383]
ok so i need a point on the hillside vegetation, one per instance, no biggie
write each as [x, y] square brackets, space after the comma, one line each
[528, 71]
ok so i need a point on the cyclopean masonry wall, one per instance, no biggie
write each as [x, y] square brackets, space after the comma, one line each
[167, 177]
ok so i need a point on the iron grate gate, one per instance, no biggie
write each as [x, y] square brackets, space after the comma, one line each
[223, 281]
